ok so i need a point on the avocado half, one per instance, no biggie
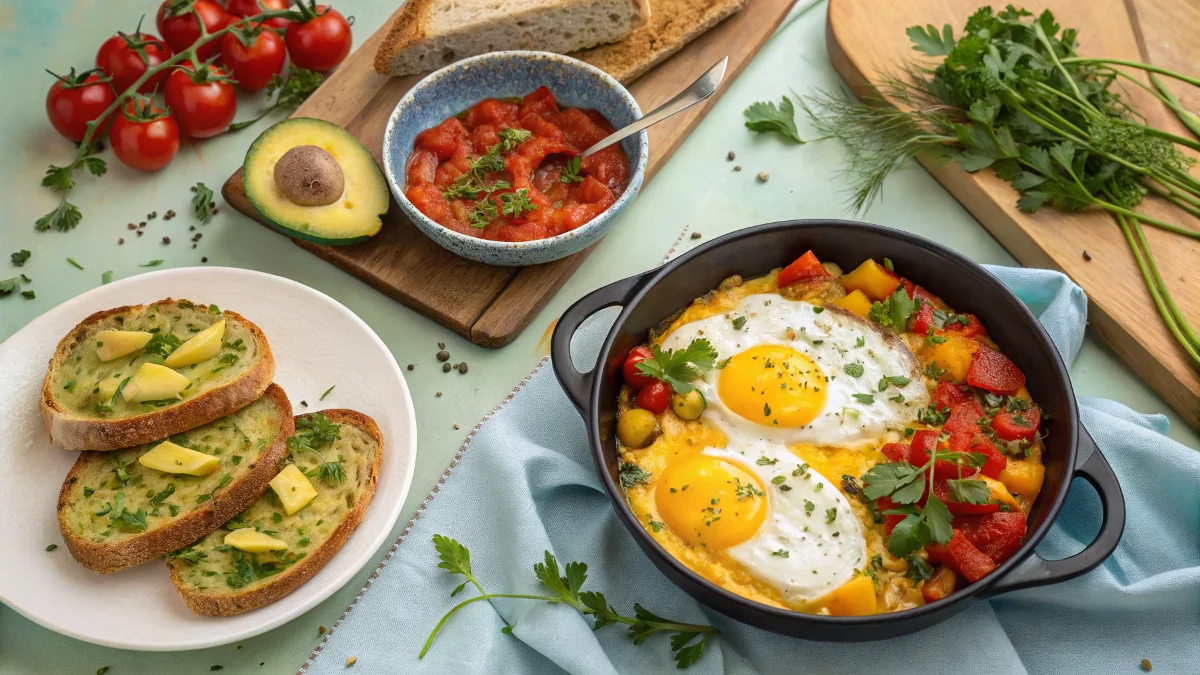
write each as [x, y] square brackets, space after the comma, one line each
[352, 218]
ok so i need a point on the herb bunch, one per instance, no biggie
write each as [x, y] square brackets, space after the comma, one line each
[687, 640]
[61, 179]
[1012, 94]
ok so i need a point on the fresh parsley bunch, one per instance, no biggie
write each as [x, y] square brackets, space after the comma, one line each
[687, 640]
[1011, 94]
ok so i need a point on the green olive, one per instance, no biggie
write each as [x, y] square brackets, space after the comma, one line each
[637, 428]
[688, 406]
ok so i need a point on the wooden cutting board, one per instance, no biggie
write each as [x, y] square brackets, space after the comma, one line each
[866, 39]
[487, 304]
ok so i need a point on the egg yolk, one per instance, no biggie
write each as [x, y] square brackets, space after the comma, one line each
[710, 502]
[773, 385]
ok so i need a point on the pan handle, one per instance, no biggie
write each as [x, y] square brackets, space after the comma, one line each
[1037, 571]
[577, 384]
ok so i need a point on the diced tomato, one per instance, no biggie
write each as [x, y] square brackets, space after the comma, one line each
[592, 191]
[941, 490]
[896, 452]
[579, 129]
[429, 199]
[923, 443]
[633, 376]
[539, 126]
[806, 267]
[655, 396]
[996, 461]
[973, 328]
[964, 417]
[483, 137]
[609, 166]
[960, 555]
[492, 111]
[909, 287]
[929, 298]
[538, 102]
[1019, 425]
[443, 139]
[924, 320]
[422, 167]
[948, 395]
[992, 371]
[940, 585]
[996, 535]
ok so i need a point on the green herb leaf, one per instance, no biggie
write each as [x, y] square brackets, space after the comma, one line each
[75, 263]
[202, 203]
[570, 173]
[679, 367]
[764, 117]
[516, 204]
[20, 257]
[854, 369]
[927, 40]
[631, 474]
[895, 311]
[152, 263]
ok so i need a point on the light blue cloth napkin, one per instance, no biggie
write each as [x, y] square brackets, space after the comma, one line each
[525, 484]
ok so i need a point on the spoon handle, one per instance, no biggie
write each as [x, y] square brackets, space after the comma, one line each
[698, 91]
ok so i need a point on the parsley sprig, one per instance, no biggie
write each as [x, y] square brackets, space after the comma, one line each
[764, 117]
[687, 640]
[895, 311]
[679, 367]
[313, 432]
[905, 483]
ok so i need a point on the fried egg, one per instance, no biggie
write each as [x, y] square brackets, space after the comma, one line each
[791, 372]
[786, 524]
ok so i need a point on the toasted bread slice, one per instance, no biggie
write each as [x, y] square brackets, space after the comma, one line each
[218, 580]
[85, 405]
[116, 513]
[428, 34]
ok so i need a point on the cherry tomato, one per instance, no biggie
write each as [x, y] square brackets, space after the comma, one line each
[253, 66]
[118, 57]
[320, 43]
[654, 397]
[242, 8]
[201, 100]
[634, 377]
[74, 100]
[144, 136]
[177, 22]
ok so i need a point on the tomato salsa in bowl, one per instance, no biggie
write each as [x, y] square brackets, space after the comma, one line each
[484, 156]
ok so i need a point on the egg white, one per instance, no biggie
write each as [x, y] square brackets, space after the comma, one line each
[828, 336]
[799, 552]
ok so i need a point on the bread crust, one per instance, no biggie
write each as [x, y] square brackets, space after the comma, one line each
[71, 432]
[408, 27]
[106, 558]
[294, 576]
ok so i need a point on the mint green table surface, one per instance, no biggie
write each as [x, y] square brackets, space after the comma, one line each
[697, 191]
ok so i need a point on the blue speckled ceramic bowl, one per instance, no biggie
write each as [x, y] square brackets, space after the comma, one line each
[461, 85]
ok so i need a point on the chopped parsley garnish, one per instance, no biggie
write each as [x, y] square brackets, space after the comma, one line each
[918, 569]
[864, 398]
[19, 258]
[189, 555]
[152, 263]
[75, 263]
[162, 344]
[782, 553]
[895, 311]
[327, 392]
[854, 369]
[312, 432]
[516, 203]
[739, 322]
[893, 380]
[106, 278]
[679, 367]
[631, 474]
[765, 461]
[202, 202]
[483, 213]
[570, 172]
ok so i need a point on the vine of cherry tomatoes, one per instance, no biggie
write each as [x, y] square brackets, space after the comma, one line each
[197, 95]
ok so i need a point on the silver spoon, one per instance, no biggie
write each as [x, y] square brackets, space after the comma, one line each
[698, 91]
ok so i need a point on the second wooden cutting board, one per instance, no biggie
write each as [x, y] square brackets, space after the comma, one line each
[866, 40]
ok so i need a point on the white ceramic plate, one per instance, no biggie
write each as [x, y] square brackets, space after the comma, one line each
[317, 342]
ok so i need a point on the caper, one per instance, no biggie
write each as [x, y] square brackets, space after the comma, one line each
[688, 406]
[637, 428]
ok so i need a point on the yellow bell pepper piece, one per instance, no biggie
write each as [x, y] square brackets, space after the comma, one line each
[872, 279]
[855, 302]
[853, 598]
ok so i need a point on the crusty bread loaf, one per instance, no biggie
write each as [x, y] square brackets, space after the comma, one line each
[167, 511]
[217, 580]
[80, 413]
[428, 34]
[673, 24]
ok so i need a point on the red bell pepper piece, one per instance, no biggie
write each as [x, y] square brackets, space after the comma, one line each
[909, 287]
[973, 328]
[996, 535]
[960, 555]
[920, 292]
[964, 417]
[806, 267]
[993, 371]
[1020, 425]
[896, 452]
[923, 444]
[924, 320]
[889, 521]
[942, 491]
[948, 395]
[996, 461]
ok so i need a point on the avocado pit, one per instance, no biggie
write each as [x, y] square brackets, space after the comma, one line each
[309, 176]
